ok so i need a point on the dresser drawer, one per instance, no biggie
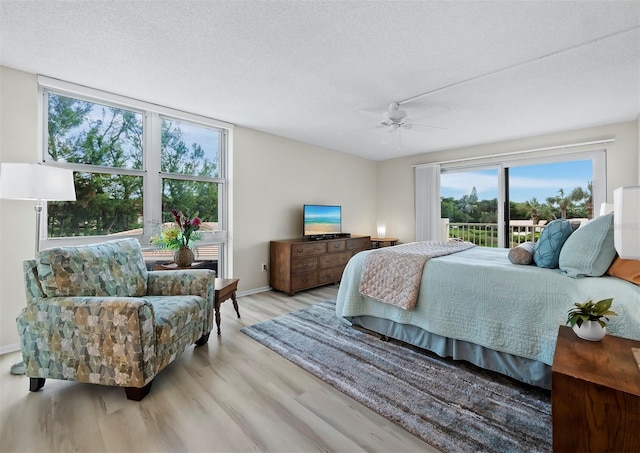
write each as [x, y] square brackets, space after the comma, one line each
[330, 275]
[299, 250]
[336, 246]
[304, 281]
[359, 244]
[333, 260]
[304, 265]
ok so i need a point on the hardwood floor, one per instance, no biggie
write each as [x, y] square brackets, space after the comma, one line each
[232, 394]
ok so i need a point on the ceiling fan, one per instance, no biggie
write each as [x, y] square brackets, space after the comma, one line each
[394, 119]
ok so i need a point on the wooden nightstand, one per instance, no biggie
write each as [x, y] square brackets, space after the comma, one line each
[595, 394]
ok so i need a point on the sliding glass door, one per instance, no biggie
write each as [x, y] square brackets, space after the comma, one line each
[474, 199]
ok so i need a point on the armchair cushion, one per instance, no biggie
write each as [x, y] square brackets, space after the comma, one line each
[108, 341]
[112, 268]
[180, 321]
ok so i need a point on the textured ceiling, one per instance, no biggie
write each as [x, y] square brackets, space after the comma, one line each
[495, 70]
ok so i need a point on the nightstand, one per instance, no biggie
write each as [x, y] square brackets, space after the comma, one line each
[595, 394]
[380, 242]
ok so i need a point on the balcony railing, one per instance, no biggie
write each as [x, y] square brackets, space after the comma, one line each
[486, 234]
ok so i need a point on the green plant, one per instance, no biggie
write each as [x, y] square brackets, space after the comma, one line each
[590, 311]
[183, 233]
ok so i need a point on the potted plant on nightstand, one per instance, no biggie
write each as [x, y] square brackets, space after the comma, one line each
[586, 319]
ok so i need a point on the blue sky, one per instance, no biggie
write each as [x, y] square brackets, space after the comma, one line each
[540, 181]
[208, 139]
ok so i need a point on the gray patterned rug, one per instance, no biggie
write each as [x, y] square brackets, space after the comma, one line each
[453, 406]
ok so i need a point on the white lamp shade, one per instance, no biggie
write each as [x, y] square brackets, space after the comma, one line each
[606, 208]
[36, 182]
[626, 222]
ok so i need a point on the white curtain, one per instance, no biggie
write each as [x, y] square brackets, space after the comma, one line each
[427, 182]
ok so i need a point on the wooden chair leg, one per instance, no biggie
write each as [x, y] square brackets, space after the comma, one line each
[203, 339]
[137, 393]
[36, 383]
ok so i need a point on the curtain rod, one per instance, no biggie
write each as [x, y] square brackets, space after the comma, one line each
[525, 151]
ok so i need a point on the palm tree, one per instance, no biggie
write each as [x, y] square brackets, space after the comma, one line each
[534, 210]
[563, 202]
[578, 195]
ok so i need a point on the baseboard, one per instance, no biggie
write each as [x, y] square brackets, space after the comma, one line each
[9, 348]
[254, 291]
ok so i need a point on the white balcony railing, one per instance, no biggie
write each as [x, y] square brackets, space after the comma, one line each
[486, 234]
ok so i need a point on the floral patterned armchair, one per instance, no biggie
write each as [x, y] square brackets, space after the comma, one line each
[95, 314]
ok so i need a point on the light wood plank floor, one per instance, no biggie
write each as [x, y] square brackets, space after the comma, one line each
[231, 395]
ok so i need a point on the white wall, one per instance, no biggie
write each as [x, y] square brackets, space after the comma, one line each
[273, 177]
[395, 181]
[18, 143]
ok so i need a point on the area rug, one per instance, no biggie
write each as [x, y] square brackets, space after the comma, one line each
[453, 406]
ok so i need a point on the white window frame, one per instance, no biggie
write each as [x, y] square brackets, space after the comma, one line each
[152, 176]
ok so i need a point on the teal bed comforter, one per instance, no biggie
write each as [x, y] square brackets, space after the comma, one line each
[479, 296]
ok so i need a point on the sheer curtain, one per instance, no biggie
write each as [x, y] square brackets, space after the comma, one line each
[427, 183]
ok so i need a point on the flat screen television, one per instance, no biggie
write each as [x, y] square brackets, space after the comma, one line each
[321, 220]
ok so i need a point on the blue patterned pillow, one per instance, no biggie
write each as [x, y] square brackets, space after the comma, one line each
[548, 247]
[589, 251]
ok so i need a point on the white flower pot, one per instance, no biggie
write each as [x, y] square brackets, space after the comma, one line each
[590, 330]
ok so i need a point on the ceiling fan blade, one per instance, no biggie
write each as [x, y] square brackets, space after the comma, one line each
[430, 126]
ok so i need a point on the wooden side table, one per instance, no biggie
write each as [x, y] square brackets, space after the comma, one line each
[380, 242]
[595, 394]
[225, 289]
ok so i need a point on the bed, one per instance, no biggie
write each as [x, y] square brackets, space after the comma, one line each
[475, 305]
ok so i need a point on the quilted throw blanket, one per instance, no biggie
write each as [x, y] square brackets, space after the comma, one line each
[392, 275]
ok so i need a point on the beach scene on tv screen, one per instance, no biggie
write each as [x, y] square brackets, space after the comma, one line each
[321, 220]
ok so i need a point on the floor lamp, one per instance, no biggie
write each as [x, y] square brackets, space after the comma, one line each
[40, 183]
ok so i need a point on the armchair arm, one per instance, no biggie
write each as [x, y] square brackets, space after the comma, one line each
[100, 340]
[198, 282]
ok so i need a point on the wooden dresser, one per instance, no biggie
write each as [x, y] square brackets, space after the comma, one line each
[297, 264]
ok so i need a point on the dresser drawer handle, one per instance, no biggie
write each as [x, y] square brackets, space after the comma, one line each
[336, 246]
[318, 248]
[299, 250]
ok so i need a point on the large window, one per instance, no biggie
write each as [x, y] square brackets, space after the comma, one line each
[537, 191]
[133, 162]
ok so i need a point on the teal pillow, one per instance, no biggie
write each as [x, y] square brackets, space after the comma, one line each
[548, 246]
[589, 251]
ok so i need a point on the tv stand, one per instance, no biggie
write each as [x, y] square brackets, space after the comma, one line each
[298, 264]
